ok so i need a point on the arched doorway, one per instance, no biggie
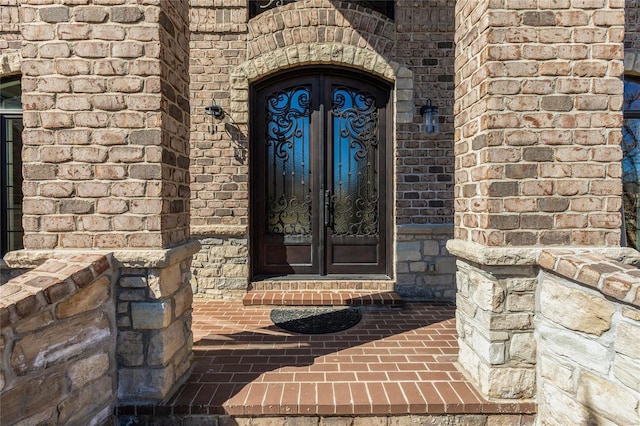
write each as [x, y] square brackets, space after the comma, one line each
[320, 167]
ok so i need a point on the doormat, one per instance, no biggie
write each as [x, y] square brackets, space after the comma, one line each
[316, 320]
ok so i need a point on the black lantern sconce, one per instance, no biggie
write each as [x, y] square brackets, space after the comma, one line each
[215, 111]
[430, 114]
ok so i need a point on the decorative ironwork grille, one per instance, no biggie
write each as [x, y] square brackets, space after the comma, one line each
[355, 158]
[288, 197]
[385, 7]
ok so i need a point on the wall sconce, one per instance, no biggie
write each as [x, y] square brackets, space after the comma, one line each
[215, 111]
[430, 114]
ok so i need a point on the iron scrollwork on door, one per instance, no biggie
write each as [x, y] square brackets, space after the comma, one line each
[288, 196]
[355, 160]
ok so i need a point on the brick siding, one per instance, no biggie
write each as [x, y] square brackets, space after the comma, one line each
[538, 121]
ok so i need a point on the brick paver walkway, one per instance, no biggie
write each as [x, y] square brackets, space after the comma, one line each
[395, 361]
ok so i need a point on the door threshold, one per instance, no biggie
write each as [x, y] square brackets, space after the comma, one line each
[377, 277]
[328, 284]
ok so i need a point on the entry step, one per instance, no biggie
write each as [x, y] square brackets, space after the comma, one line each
[321, 298]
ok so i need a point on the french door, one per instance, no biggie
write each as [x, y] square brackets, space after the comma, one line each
[319, 168]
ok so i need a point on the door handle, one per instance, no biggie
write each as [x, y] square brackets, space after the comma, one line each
[327, 208]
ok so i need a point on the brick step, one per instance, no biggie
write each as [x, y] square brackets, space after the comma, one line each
[321, 298]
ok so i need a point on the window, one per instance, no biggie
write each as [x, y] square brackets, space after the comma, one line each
[10, 165]
[631, 161]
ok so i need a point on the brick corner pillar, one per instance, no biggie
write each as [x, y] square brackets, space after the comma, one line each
[538, 128]
[106, 167]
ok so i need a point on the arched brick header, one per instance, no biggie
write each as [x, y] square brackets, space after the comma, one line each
[333, 53]
[311, 21]
[321, 32]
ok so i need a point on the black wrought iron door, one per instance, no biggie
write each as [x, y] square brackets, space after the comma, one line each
[318, 176]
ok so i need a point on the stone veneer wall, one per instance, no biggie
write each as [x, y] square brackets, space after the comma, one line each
[495, 312]
[57, 343]
[152, 312]
[229, 52]
[588, 333]
[154, 348]
[424, 268]
[221, 267]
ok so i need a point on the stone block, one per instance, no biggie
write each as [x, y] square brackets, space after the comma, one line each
[165, 282]
[183, 300]
[130, 348]
[90, 14]
[558, 408]
[54, 14]
[562, 376]
[596, 393]
[627, 370]
[518, 302]
[446, 265]
[522, 348]
[88, 369]
[408, 252]
[235, 270]
[35, 322]
[163, 344]
[144, 383]
[487, 293]
[511, 383]
[146, 315]
[431, 248]
[28, 397]
[582, 350]
[627, 340]
[58, 343]
[491, 352]
[515, 321]
[126, 14]
[85, 402]
[88, 298]
[565, 305]
[133, 282]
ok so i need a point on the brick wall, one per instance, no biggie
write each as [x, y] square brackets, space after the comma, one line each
[57, 349]
[9, 26]
[228, 52]
[424, 162]
[537, 115]
[221, 40]
[588, 355]
[105, 140]
[538, 123]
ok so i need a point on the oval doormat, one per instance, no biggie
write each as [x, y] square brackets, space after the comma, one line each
[315, 320]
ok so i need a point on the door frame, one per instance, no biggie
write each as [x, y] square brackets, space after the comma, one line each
[311, 71]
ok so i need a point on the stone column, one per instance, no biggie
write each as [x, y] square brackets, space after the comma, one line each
[106, 158]
[538, 118]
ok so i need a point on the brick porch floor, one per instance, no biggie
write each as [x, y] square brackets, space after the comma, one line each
[394, 362]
